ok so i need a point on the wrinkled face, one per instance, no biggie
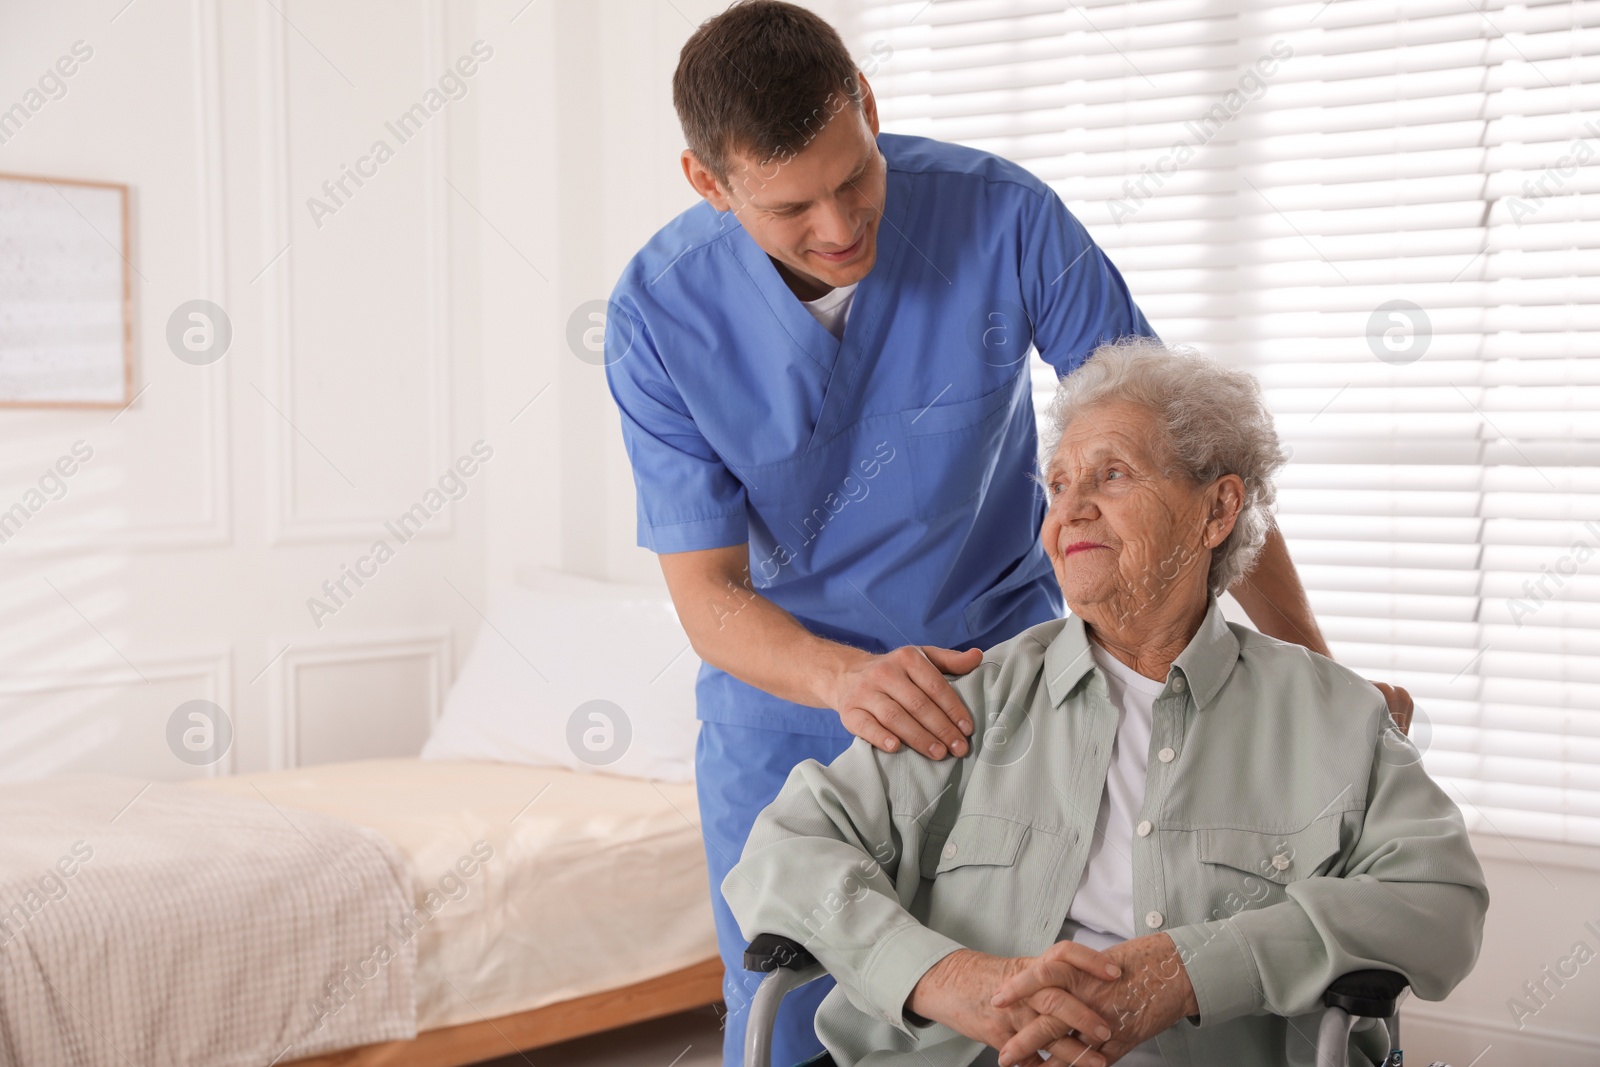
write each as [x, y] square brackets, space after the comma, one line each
[816, 209]
[1121, 533]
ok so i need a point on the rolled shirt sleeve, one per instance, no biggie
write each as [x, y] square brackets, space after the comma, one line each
[833, 863]
[687, 497]
[1411, 896]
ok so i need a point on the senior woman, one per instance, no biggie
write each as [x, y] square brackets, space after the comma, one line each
[1171, 832]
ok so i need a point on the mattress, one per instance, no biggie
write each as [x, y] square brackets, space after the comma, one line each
[533, 884]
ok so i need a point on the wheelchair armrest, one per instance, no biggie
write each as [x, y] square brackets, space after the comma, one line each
[768, 952]
[1366, 994]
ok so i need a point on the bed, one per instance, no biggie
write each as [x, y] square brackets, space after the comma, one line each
[536, 875]
[593, 911]
[231, 920]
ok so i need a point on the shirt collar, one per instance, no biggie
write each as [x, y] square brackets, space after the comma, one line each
[1205, 662]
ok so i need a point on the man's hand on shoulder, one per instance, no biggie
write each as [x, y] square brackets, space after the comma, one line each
[903, 698]
[1400, 706]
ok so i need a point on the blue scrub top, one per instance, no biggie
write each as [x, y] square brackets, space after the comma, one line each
[882, 481]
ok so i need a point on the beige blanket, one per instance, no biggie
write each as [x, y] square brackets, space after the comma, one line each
[546, 884]
[160, 925]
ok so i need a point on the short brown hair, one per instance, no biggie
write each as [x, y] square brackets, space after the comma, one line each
[760, 78]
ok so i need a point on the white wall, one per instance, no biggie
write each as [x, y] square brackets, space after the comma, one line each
[580, 156]
[370, 348]
[1541, 896]
[179, 564]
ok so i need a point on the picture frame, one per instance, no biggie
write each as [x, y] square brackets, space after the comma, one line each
[66, 293]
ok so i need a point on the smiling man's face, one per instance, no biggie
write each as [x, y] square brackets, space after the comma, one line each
[815, 211]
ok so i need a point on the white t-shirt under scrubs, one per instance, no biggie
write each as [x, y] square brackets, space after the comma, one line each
[832, 308]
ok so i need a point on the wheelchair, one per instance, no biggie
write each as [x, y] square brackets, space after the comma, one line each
[1357, 995]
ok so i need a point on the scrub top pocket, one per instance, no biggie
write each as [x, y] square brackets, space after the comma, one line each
[954, 448]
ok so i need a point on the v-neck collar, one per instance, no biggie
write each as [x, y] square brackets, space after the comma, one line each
[842, 357]
[786, 307]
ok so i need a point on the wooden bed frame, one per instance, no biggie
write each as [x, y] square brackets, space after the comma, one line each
[455, 1046]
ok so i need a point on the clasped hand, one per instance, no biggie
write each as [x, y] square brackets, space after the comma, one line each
[1080, 1006]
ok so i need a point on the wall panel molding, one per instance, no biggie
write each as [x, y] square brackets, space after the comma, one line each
[214, 528]
[286, 526]
[212, 665]
[431, 644]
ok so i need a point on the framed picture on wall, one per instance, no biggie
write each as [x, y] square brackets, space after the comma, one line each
[66, 329]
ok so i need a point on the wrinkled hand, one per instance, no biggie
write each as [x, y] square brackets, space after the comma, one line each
[1400, 706]
[1151, 993]
[903, 696]
[960, 989]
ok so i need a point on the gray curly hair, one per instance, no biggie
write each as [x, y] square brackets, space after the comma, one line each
[1213, 422]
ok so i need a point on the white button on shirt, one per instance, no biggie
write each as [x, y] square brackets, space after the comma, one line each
[1101, 913]
[1104, 901]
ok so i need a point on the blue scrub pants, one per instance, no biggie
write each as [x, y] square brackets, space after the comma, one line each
[738, 771]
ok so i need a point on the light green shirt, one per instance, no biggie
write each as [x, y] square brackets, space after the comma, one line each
[1293, 836]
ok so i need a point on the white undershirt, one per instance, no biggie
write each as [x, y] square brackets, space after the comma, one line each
[832, 308]
[1104, 902]
[1101, 913]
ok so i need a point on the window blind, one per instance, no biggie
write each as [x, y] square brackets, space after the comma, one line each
[1389, 211]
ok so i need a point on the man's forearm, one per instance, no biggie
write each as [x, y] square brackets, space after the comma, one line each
[736, 629]
[1271, 594]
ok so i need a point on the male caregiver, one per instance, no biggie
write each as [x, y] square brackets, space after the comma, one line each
[825, 397]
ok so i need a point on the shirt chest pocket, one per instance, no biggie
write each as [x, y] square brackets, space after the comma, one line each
[1276, 858]
[979, 841]
[954, 448]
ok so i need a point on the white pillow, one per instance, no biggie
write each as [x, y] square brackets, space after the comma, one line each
[577, 673]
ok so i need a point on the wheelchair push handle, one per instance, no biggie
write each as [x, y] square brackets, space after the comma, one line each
[1369, 994]
[768, 952]
[787, 966]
